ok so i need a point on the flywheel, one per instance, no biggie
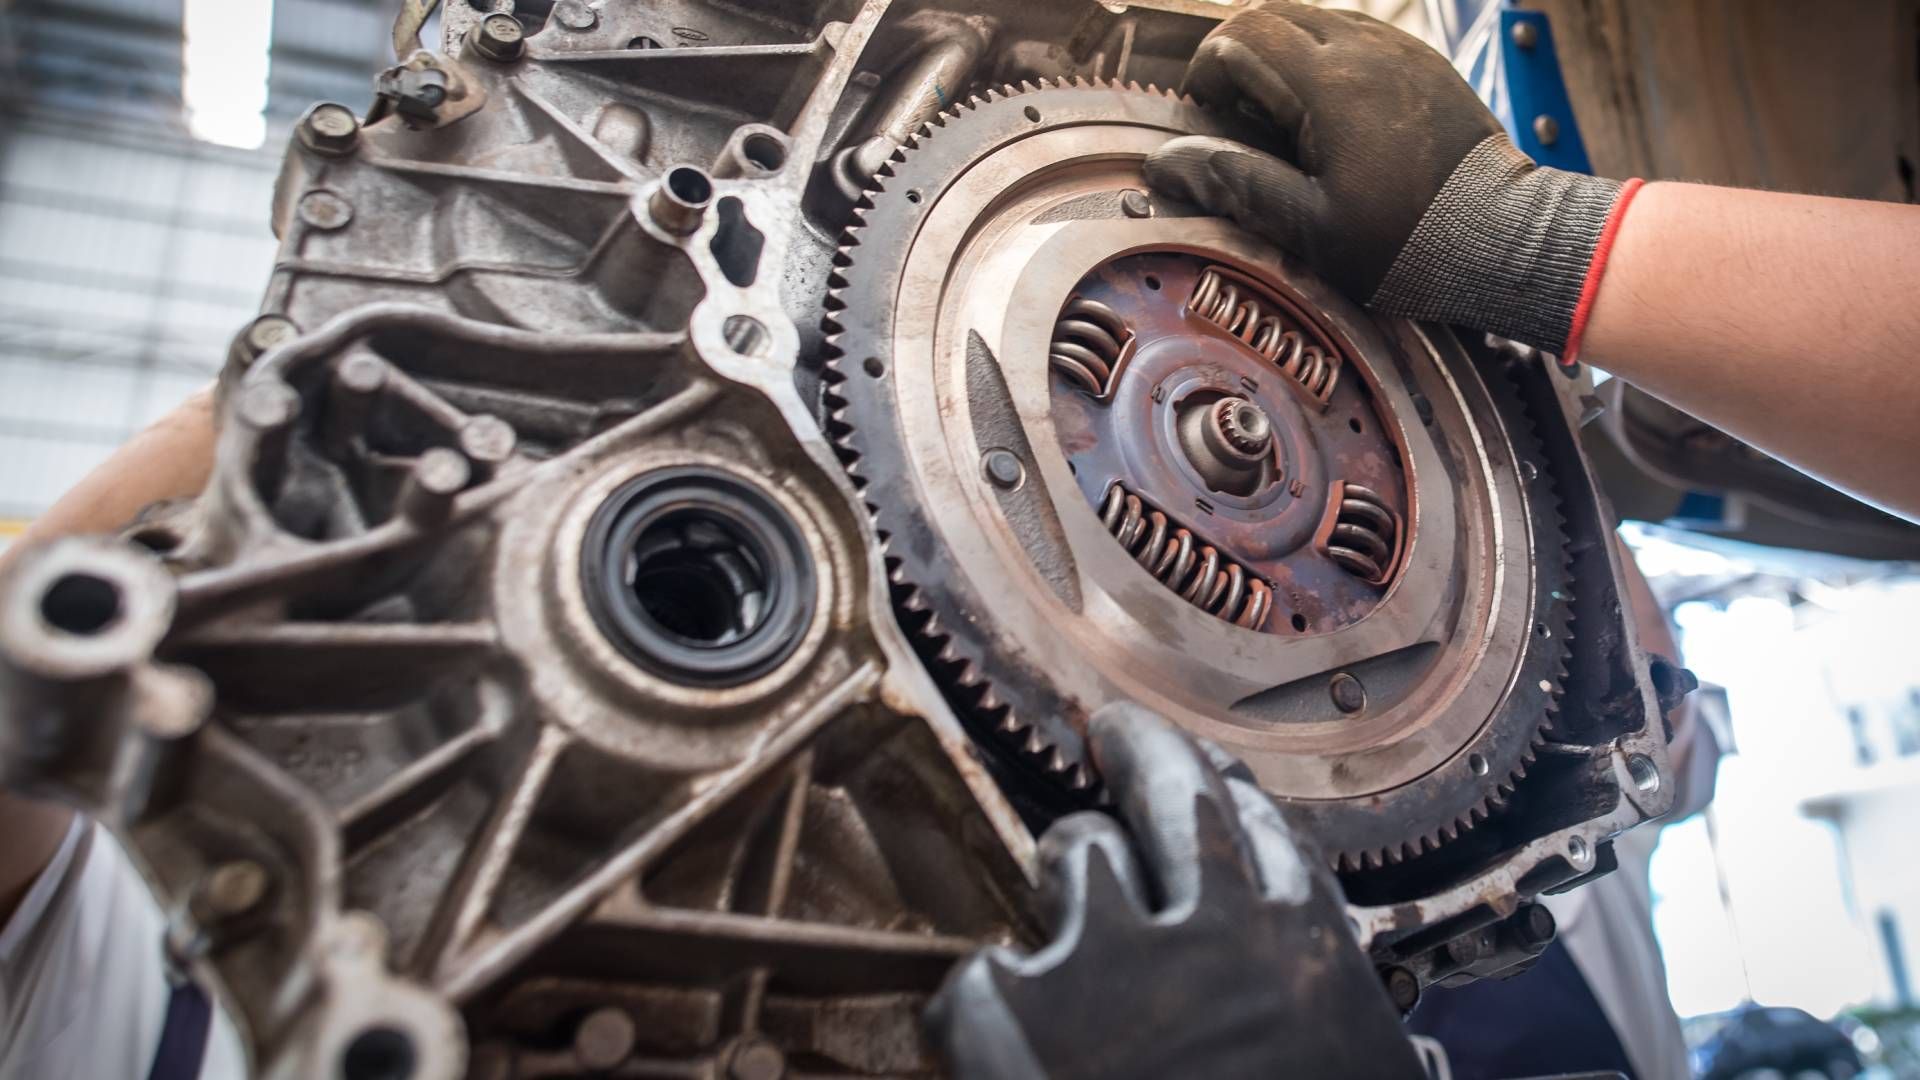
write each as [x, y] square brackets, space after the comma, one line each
[1118, 449]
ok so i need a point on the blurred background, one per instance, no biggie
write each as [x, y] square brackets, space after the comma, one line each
[139, 140]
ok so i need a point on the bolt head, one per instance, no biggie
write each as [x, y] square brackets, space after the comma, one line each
[1402, 987]
[263, 334]
[234, 888]
[329, 129]
[1003, 469]
[605, 1038]
[1135, 204]
[756, 1060]
[1546, 129]
[1347, 693]
[575, 15]
[500, 37]
[1525, 34]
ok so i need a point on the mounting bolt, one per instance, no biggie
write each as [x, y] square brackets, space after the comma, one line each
[1135, 204]
[259, 336]
[575, 15]
[604, 1039]
[233, 889]
[500, 38]
[1464, 950]
[756, 1059]
[1534, 928]
[1402, 987]
[1347, 693]
[1003, 469]
[1525, 34]
[1546, 129]
[330, 130]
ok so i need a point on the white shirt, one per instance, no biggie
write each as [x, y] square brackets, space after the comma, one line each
[83, 983]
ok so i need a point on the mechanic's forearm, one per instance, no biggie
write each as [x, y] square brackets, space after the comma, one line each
[168, 460]
[1790, 321]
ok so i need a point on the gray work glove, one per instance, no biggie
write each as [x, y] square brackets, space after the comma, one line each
[1205, 944]
[1392, 180]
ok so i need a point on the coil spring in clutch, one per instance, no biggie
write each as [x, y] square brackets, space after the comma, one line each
[1087, 342]
[1239, 310]
[1363, 534]
[1182, 562]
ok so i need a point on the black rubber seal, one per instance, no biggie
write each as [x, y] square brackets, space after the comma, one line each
[653, 512]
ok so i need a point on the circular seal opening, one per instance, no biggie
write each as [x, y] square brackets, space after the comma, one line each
[698, 576]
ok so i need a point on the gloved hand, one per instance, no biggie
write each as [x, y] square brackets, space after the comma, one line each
[1208, 945]
[1393, 180]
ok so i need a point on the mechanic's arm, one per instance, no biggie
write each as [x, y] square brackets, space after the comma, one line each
[170, 459]
[1790, 321]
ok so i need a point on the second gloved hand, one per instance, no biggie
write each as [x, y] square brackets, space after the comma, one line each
[1205, 944]
[1390, 177]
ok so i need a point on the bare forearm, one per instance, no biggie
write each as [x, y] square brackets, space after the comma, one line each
[1789, 321]
[168, 460]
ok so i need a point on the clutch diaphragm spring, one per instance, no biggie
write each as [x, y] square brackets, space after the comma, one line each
[1191, 567]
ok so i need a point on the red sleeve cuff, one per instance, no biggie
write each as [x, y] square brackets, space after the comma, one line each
[1598, 266]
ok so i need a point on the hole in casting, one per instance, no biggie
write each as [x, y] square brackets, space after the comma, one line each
[913, 195]
[1299, 622]
[764, 151]
[1033, 114]
[643, 42]
[378, 1054]
[737, 244]
[1645, 776]
[1354, 423]
[1477, 764]
[690, 185]
[81, 604]
[873, 366]
[1153, 282]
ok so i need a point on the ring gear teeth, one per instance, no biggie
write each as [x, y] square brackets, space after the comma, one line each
[1038, 734]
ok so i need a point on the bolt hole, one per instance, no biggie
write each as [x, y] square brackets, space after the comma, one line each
[643, 42]
[1299, 622]
[1477, 764]
[1577, 849]
[913, 195]
[380, 1053]
[746, 335]
[690, 185]
[764, 151]
[1645, 776]
[81, 604]
[873, 366]
[1354, 423]
[1033, 114]
[1153, 282]
[1541, 629]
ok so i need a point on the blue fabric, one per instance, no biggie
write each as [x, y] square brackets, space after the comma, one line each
[183, 1038]
[1537, 1024]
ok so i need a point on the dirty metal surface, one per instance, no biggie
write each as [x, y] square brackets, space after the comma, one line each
[534, 689]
